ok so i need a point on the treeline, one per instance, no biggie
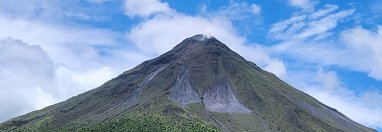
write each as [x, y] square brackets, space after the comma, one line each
[131, 122]
[139, 122]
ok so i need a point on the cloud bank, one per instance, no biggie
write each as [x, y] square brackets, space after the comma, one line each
[44, 62]
[31, 80]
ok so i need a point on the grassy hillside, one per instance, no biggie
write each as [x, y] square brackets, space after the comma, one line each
[131, 122]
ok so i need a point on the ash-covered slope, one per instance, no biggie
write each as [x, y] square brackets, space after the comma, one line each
[200, 80]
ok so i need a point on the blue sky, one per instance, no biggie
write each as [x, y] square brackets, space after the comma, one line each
[52, 50]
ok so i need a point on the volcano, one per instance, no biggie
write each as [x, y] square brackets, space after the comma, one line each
[199, 85]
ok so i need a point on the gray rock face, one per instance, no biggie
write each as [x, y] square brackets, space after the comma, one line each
[133, 97]
[183, 92]
[220, 98]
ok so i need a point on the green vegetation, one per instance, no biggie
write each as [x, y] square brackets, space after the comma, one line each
[131, 122]
[135, 122]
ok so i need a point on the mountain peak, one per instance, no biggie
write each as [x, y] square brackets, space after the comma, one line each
[202, 37]
[203, 42]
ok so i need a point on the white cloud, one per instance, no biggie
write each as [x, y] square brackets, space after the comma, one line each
[30, 80]
[26, 8]
[353, 107]
[369, 44]
[236, 11]
[98, 1]
[261, 56]
[22, 68]
[327, 87]
[356, 49]
[329, 79]
[304, 27]
[255, 9]
[146, 8]
[287, 28]
[34, 31]
[323, 12]
[307, 5]
[51, 10]
[159, 34]
[58, 40]
[323, 25]
[69, 82]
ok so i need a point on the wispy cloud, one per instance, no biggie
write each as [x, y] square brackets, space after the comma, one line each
[146, 8]
[306, 5]
[306, 26]
[99, 1]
